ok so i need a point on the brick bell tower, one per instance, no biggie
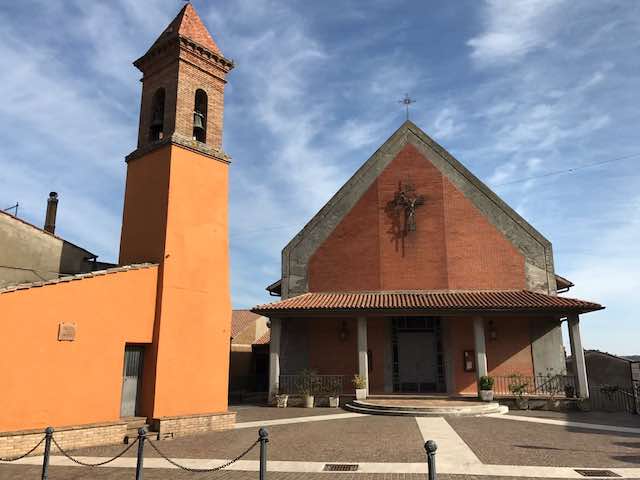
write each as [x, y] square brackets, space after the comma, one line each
[175, 214]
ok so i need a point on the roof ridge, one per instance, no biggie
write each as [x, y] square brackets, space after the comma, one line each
[77, 276]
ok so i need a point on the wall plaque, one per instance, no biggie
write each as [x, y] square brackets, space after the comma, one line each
[66, 332]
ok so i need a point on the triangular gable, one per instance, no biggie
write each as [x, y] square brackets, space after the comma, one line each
[535, 248]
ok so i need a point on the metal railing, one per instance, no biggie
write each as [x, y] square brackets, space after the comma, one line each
[313, 384]
[141, 440]
[615, 398]
[543, 385]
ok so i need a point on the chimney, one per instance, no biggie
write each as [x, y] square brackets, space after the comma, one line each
[52, 208]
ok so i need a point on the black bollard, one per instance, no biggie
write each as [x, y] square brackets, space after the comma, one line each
[140, 463]
[431, 447]
[48, 434]
[263, 436]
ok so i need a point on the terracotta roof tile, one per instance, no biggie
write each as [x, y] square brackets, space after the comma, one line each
[436, 300]
[264, 339]
[79, 276]
[241, 319]
[188, 24]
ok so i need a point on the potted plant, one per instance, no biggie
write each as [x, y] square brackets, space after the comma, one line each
[360, 384]
[486, 388]
[334, 394]
[518, 387]
[305, 387]
[281, 400]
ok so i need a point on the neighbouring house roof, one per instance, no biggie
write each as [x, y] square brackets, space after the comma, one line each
[437, 300]
[79, 276]
[563, 283]
[40, 230]
[607, 354]
[264, 339]
[241, 319]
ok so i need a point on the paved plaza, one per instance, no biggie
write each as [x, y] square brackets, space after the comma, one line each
[302, 441]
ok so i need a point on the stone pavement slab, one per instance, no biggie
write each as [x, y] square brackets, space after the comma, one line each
[619, 419]
[497, 441]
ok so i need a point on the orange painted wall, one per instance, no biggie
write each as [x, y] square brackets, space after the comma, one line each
[69, 383]
[454, 245]
[194, 309]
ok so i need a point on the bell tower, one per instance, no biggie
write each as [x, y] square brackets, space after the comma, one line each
[175, 214]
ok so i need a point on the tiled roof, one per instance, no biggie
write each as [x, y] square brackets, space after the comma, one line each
[264, 339]
[436, 300]
[79, 276]
[241, 319]
[188, 24]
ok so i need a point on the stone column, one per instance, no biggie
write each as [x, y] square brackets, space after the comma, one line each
[578, 355]
[481, 348]
[363, 360]
[274, 357]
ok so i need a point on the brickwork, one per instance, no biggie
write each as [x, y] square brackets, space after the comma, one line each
[190, 424]
[453, 247]
[181, 66]
[16, 443]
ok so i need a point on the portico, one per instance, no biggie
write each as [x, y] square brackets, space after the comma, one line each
[441, 345]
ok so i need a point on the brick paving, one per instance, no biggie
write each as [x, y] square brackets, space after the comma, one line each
[75, 473]
[505, 442]
[374, 439]
[254, 413]
[618, 419]
[354, 439]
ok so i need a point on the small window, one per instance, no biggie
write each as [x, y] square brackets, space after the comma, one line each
[156, 126]
[200, 116]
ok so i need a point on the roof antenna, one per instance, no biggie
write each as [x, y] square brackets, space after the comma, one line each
[407, 101]
[13, 207]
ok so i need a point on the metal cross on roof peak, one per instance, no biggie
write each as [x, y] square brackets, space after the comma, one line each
[407, 101]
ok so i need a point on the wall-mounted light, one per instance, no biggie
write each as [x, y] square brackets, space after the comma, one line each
[492, 330]
[344, 331]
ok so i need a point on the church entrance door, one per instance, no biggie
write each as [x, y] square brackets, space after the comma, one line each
[417, 353]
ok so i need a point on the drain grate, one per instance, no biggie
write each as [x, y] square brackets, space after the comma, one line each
[597, 473]
[340, 467]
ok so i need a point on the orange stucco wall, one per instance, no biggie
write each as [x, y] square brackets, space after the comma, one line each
[454, 245]
[188, 233]
[59, 383]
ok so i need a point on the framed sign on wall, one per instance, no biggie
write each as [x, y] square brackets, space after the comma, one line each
[469, 361]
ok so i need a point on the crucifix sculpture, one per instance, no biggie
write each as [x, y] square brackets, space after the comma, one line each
[406, 199]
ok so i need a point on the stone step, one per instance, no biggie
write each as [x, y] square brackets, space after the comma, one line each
[433, 412]
[475, 407]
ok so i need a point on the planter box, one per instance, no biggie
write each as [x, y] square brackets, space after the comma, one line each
[486, 395]
[361, 393]
[334, 402]
[308, 401]
[282, 400]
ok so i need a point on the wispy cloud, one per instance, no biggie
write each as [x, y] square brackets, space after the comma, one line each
[513, 29]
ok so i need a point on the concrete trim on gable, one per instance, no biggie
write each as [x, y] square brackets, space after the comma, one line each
[536, 249]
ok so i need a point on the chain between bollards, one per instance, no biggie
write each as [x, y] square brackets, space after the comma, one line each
[142, 436]
[263, 438]
[431, 447]
[48, 435]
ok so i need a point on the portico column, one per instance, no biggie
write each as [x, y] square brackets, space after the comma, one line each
[578, 355]
[481, 348]
[274, 357]
[363, 360]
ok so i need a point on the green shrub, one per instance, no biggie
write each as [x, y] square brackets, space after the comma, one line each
[486, 382]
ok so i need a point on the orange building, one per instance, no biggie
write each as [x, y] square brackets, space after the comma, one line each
[420, 279]
[92, 351]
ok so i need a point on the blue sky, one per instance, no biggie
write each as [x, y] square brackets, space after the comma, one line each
[513, 89]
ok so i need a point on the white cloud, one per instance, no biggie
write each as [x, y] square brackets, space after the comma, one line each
[512, 29]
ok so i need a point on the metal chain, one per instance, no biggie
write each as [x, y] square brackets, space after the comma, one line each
[79, 462]
[24, 454]
[203, 470]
